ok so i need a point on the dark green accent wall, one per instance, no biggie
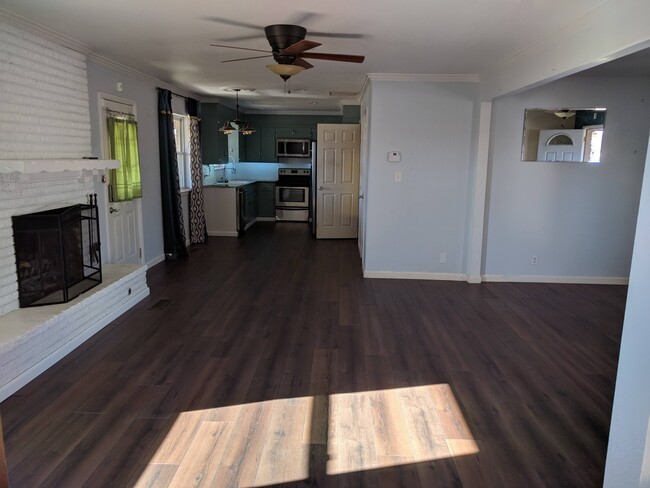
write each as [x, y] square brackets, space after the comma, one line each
[351, 114]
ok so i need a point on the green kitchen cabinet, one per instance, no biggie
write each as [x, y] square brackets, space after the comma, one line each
[267, 144]
[294, 132]
[252, 145]
[266, 199]
[260, 146]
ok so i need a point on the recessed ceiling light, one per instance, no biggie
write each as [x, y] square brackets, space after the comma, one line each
[312, 103]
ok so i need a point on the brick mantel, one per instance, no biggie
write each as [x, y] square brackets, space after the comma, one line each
[56, 165]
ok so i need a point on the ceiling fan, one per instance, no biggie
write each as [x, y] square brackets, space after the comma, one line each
[289, 50]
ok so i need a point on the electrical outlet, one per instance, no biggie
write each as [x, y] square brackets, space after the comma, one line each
[398, 176]
[533, 260]
[443, 258]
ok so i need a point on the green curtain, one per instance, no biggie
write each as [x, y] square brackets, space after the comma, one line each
[125, 181]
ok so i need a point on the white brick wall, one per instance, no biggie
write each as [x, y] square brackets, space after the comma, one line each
[32, 339]
[44, 111]
[44, 115]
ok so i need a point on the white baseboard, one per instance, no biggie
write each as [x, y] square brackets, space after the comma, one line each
[156, 260]
[28, 375]
[474, 279]
[223, 233]
[578, 280]
[415, 275]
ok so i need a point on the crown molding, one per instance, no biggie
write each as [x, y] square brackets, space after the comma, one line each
[431, 78]
[71, 43]
[44, 32]
[291, 112]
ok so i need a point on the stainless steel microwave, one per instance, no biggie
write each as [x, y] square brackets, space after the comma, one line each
[294, 148]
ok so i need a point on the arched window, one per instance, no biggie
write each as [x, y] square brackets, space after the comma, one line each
[560, 140]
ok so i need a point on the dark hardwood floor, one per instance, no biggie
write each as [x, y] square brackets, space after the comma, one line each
[269, 361]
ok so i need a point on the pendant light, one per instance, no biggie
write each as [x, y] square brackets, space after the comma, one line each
[246, 128]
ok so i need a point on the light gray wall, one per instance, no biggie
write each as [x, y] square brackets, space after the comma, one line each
[144, 94]
[578, 219]
[628, 453]
[410, 223]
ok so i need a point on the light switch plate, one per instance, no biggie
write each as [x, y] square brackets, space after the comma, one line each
[394, 157]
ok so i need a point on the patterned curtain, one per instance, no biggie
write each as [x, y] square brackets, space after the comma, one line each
[173, 228]
[198, 230]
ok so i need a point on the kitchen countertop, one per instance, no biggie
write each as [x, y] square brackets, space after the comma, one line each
[231, 183]
[235, 183]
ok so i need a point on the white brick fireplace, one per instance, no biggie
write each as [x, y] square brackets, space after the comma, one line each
[45, 151]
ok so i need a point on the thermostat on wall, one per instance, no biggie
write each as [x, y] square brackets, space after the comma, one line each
[394, 157]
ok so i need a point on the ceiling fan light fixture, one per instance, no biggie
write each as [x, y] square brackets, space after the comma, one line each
[564, 114]
[287, 70]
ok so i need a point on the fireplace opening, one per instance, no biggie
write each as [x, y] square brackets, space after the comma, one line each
[57, 254]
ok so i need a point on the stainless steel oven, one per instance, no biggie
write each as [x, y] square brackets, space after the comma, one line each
[292, 194]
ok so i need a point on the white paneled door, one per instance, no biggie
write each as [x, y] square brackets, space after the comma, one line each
[124, 232]
[337, 181]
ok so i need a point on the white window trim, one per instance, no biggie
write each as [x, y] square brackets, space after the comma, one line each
[183, 154]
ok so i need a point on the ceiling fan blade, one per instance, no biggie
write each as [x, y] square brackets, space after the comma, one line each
[241, 38]
[242, 48]
[236, 23]
[303, 63]
[336, 35]
[300, 47]
[245, 59]
[301, 18]
[346, 58]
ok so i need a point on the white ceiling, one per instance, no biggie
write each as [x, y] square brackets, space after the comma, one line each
[170, 40]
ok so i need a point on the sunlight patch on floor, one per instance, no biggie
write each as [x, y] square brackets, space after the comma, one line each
[279, 441]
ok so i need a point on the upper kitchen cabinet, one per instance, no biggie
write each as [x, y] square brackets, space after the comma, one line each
[260, 146]
[214, 144]
[294, 132]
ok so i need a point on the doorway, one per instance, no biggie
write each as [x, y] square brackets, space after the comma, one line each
[123, 219]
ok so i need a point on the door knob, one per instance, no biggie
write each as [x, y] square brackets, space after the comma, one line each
[322, 188]
[113, 210]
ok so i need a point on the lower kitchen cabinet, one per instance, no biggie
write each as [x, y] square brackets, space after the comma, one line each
[266, 200]
[220, 211]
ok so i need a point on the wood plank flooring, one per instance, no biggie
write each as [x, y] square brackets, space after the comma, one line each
[269, 361]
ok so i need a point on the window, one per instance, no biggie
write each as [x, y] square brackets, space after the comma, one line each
[182, 138]
[593, 144]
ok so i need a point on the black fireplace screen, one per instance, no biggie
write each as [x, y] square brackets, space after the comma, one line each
[57, 254]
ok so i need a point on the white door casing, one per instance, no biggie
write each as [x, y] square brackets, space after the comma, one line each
[124, 224]
[363, 167]
[337, 181]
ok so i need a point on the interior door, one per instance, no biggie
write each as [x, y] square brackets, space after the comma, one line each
[337, 181]
[124, 234]
[561, 145]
